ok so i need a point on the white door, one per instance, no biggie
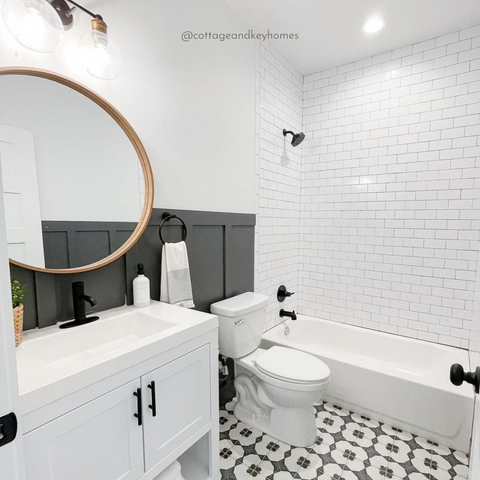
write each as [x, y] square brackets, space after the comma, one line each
[20, 186]
[11, 454]
[101, 440]
[181, 405]
[475, 450]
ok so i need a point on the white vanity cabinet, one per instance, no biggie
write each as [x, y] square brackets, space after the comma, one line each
[182, 404]
[100, 440]
[137, 429]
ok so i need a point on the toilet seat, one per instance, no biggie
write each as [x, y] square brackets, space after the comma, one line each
[292, 366]
[249, 363]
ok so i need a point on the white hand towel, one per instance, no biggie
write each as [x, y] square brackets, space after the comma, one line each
[172, 472]
[175, 283]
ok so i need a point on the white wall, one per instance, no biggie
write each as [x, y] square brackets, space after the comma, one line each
[278, 182]
[87, 169]
[192, 104]
[390, 199]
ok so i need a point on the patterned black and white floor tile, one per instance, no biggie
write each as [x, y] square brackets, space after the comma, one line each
[348, 447]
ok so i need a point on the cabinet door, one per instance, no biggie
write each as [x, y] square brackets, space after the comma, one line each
[98, 441]
[182, 390]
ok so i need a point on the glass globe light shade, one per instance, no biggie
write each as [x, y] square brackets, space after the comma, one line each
[34, 23]
[101, 55]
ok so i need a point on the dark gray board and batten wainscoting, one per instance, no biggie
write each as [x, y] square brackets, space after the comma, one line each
[220, 248]
[74, 244]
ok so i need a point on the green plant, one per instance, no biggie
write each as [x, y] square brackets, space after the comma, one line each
[17, 293]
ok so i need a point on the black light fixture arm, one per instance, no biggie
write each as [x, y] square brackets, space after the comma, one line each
[83, 9]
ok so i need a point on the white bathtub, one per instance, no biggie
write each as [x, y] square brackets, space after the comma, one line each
[400, 381]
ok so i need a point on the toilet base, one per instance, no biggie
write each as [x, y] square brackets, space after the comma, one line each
[297, 429]
[294, 426]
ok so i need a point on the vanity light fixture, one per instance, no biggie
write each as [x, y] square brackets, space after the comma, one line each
[374, 25]
[35, 24]
[40, 24]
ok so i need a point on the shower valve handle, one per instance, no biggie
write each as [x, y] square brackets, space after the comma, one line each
[282, 293]
[458, 376]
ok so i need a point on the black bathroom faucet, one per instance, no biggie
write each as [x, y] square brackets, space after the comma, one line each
[285, 313]
[79, 299]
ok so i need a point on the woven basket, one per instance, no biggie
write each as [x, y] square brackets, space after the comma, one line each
[18, 324]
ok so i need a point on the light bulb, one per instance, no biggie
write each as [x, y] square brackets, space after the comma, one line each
[374, 25]
[34, 23]
[101, 55]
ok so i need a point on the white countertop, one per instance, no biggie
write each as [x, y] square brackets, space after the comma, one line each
[43, 380]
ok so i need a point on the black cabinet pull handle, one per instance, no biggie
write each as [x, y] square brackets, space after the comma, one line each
[8, 429]
[139, 415]
[153, 405]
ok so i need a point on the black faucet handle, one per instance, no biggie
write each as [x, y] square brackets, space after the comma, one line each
[282, 293]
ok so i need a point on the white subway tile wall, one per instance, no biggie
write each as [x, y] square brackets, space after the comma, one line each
[279, 91]
[390, 205]
[374, 219]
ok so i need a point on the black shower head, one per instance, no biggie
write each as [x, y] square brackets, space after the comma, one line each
[297, 137]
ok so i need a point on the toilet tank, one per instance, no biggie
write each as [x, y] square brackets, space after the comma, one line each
[241, 322]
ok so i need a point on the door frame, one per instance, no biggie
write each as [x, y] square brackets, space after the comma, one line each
[474, 469]
[25, 184]
[11, 455]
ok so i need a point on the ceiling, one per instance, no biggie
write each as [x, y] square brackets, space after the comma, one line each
[330, 30]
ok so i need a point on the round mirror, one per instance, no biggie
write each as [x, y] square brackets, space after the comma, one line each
[78, 187]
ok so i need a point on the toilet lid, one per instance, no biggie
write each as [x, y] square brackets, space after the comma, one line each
[293, 365]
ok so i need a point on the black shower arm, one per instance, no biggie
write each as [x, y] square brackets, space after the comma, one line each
[83, 9]
[287, 131]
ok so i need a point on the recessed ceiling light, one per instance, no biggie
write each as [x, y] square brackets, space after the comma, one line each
[374, 24]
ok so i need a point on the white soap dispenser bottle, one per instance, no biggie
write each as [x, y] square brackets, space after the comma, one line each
[141, 288]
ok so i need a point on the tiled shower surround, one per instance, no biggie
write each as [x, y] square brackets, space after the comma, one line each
[278, 177]
[348, 447]
[389, 202]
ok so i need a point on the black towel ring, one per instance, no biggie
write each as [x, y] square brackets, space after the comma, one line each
[165, 218]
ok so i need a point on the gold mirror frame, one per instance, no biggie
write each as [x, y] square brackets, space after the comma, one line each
[138, 146]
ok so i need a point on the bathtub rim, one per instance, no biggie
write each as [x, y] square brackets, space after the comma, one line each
[446, 386]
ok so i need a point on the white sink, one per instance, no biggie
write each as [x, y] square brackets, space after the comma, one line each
[65, 348]
[53, 363]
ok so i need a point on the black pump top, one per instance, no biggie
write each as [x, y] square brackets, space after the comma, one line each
[140, 269]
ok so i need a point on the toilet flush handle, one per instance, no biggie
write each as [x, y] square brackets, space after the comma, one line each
[239, 322]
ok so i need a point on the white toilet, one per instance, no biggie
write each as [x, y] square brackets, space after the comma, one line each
[276, 388]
